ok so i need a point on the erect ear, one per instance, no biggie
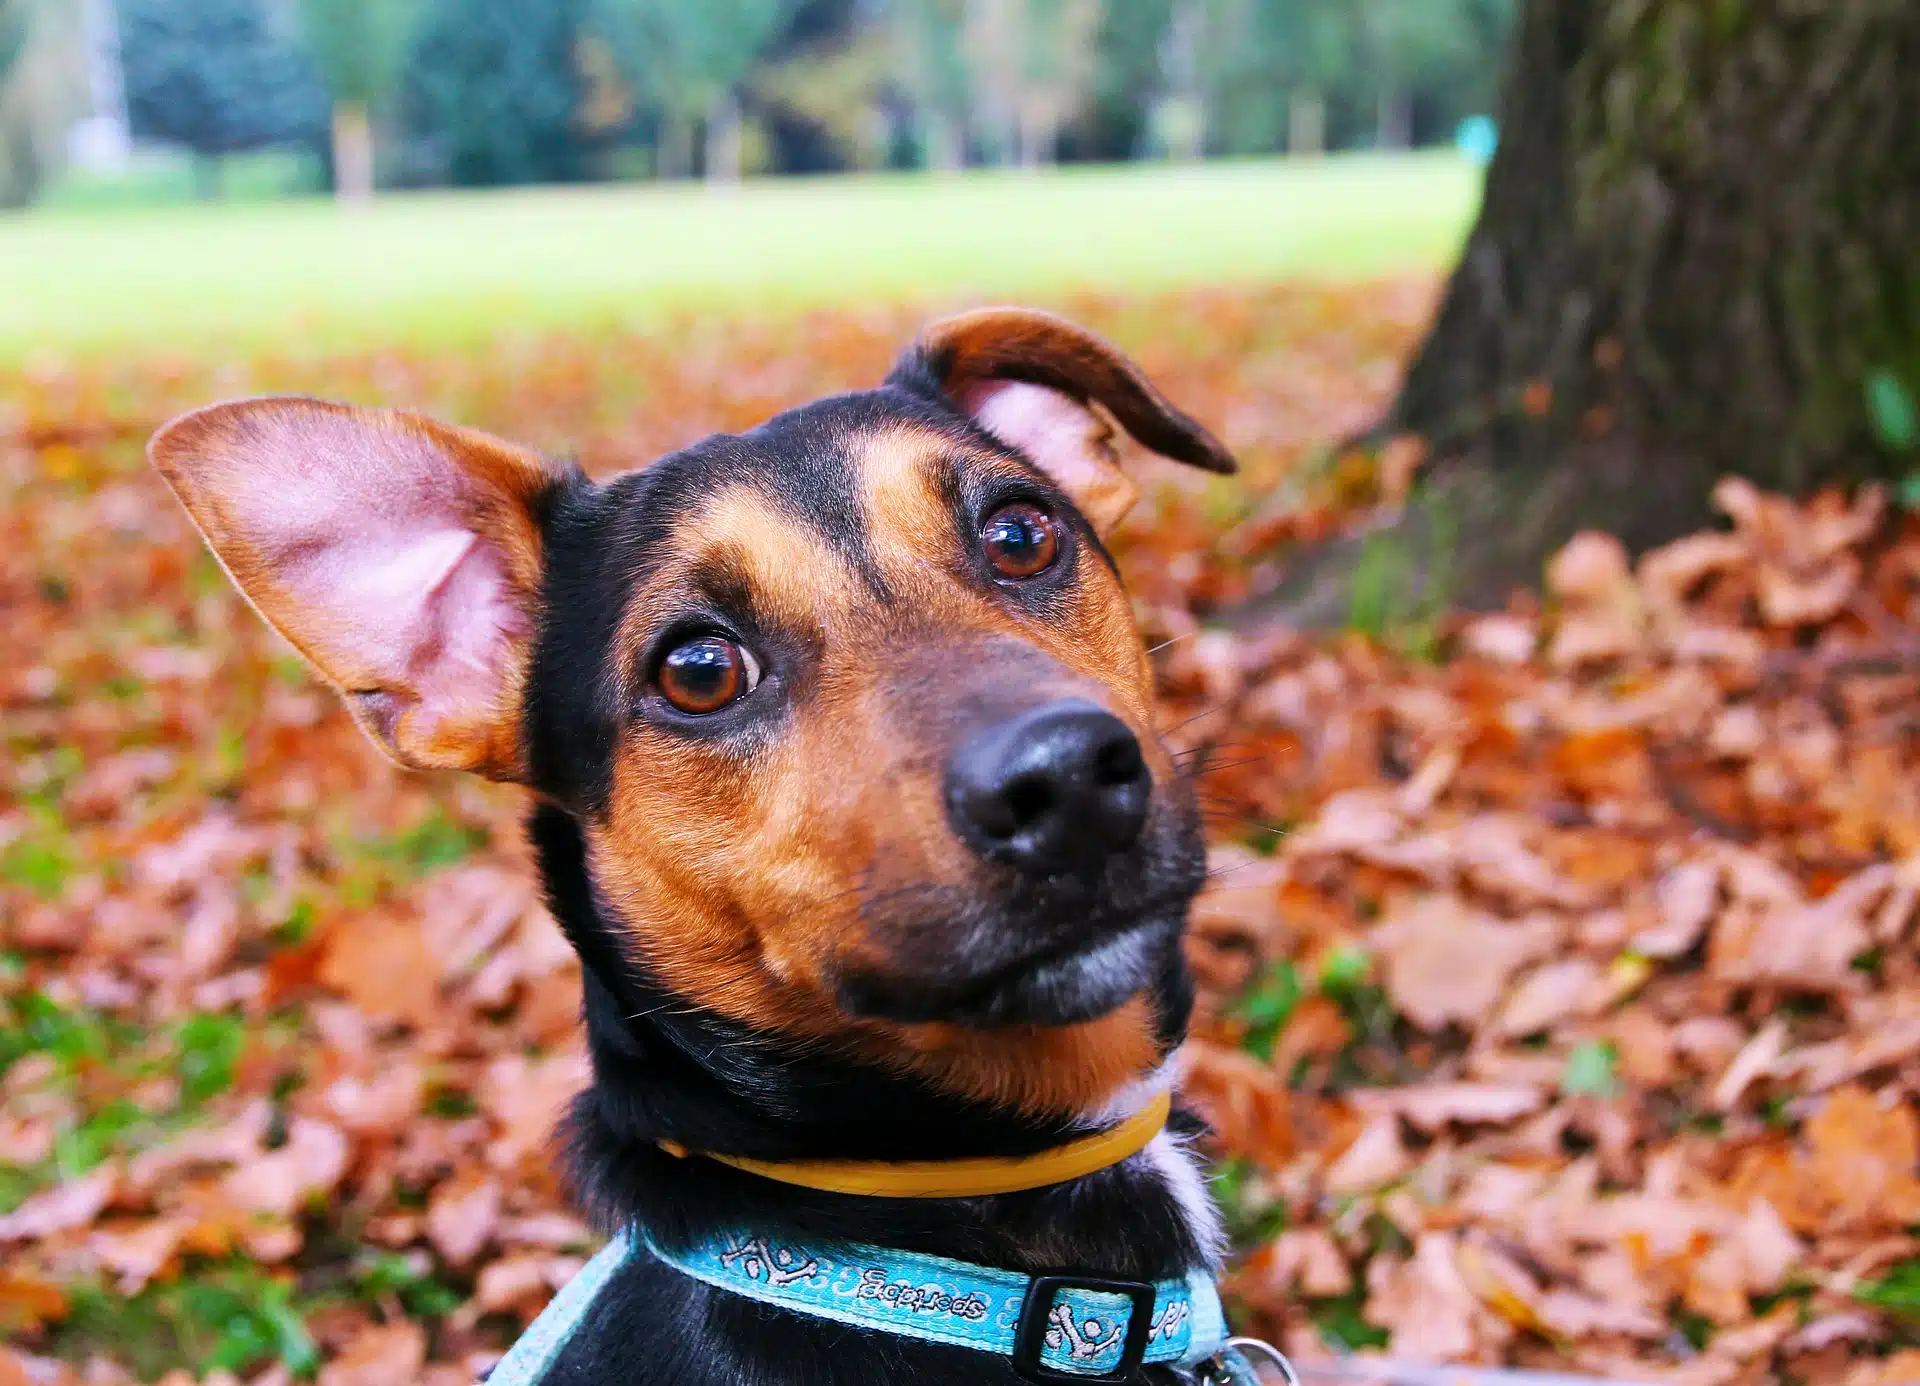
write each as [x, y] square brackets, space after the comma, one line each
[1031, 380]
[400, 555]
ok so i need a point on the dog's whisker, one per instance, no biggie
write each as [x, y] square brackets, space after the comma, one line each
[1221, 766]
[1221, 872]
[1189, 721]
[1200, 755]
[665, 1007]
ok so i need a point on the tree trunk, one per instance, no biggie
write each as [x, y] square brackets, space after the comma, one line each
[352, 155]
[942, 139]
[1306, 123]
[206, 176]
[1697, 243]
[1038, 131]
[1183, 128]
[676, 146]
[726, 142]
[1182, 111]
[874, 145]
[1393, 120]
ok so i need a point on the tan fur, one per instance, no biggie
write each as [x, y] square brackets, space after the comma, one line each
[750, 878]
[752, 882]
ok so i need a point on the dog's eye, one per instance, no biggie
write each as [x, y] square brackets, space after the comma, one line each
[1021, 540]
[707, 673]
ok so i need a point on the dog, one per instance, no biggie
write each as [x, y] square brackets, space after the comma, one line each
[840, 736]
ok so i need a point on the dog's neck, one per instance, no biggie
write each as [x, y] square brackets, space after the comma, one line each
[667, 1070]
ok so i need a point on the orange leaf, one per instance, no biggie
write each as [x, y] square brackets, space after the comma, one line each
[27, 1302]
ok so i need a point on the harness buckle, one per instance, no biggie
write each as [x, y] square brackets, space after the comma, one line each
[1036, 1316]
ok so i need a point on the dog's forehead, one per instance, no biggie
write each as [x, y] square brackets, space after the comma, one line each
[866, 481]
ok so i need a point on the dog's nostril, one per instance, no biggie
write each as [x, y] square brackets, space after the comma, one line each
[1029, 798]
[1118, 762]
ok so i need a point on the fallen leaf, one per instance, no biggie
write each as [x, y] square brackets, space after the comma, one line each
[384, 966]
[309, 1165]
[1308, 1261]
[137, 1252]
[1432, 1106]
[63, 1207]
[1590, 567]
[1376, 1157]
[1811, 948]
[1445, 962]
[1423, 1303]
[388, 1355]
[462, 1215]
[1502, 639]
[524, 1099]
[1862, 1154]
[26, 1302]
[1547, 996]
[1686, 897]
[1754, 1061]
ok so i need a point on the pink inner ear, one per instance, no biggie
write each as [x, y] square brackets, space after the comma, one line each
[365, 533]
[427, 611]
[1060, 436]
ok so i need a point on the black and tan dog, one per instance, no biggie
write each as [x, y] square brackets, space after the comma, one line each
[849, 796]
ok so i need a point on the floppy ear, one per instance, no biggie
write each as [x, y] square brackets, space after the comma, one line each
[1031, 379]
[400, 555]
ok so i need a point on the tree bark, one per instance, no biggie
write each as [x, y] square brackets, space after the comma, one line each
[1697, 242]
[944, 143]
[1306, 123]
[206, 176]
[676, 146]
[726, 139]
[352, 155]
[1393, 120]
[1039, 134]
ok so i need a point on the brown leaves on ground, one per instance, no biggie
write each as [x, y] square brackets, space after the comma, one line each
[1615, 908]
[281, 1006]
[1573, 1019]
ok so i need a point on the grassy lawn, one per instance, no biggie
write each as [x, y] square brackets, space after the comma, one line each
[444, 269]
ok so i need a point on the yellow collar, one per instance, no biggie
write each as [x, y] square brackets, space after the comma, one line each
[960, 1178]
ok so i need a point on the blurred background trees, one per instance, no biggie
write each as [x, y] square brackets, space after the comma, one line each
[360, 49]
[1695, 240]
[496, 91]
[43, 92]
[690, 60]
[13, 33]
[488, 92]
[216, 77]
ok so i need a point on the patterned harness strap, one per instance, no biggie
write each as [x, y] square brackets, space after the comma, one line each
[1071, 1329]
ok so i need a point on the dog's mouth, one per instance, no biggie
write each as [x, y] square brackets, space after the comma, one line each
[1063, 983]
[1004, 950]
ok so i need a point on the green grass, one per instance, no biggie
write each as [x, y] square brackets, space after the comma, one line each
[431, 270]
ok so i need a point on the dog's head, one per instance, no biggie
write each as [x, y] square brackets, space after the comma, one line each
[851, 708]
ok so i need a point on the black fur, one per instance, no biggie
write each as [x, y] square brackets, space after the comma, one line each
[663, 1068]
[666, 1069]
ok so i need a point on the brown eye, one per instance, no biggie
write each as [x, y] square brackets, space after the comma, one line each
[1021, 540]
[706, 674]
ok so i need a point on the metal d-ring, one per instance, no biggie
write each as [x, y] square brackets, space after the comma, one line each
[1261, 1348]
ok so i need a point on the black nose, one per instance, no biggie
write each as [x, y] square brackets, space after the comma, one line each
[1055, 789]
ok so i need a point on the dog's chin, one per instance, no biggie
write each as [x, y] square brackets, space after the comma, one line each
[1063, 987]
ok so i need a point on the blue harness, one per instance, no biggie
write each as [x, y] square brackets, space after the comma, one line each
[1066, 1329]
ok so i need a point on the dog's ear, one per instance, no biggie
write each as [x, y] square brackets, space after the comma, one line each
[400, 555]
[1032, 379]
